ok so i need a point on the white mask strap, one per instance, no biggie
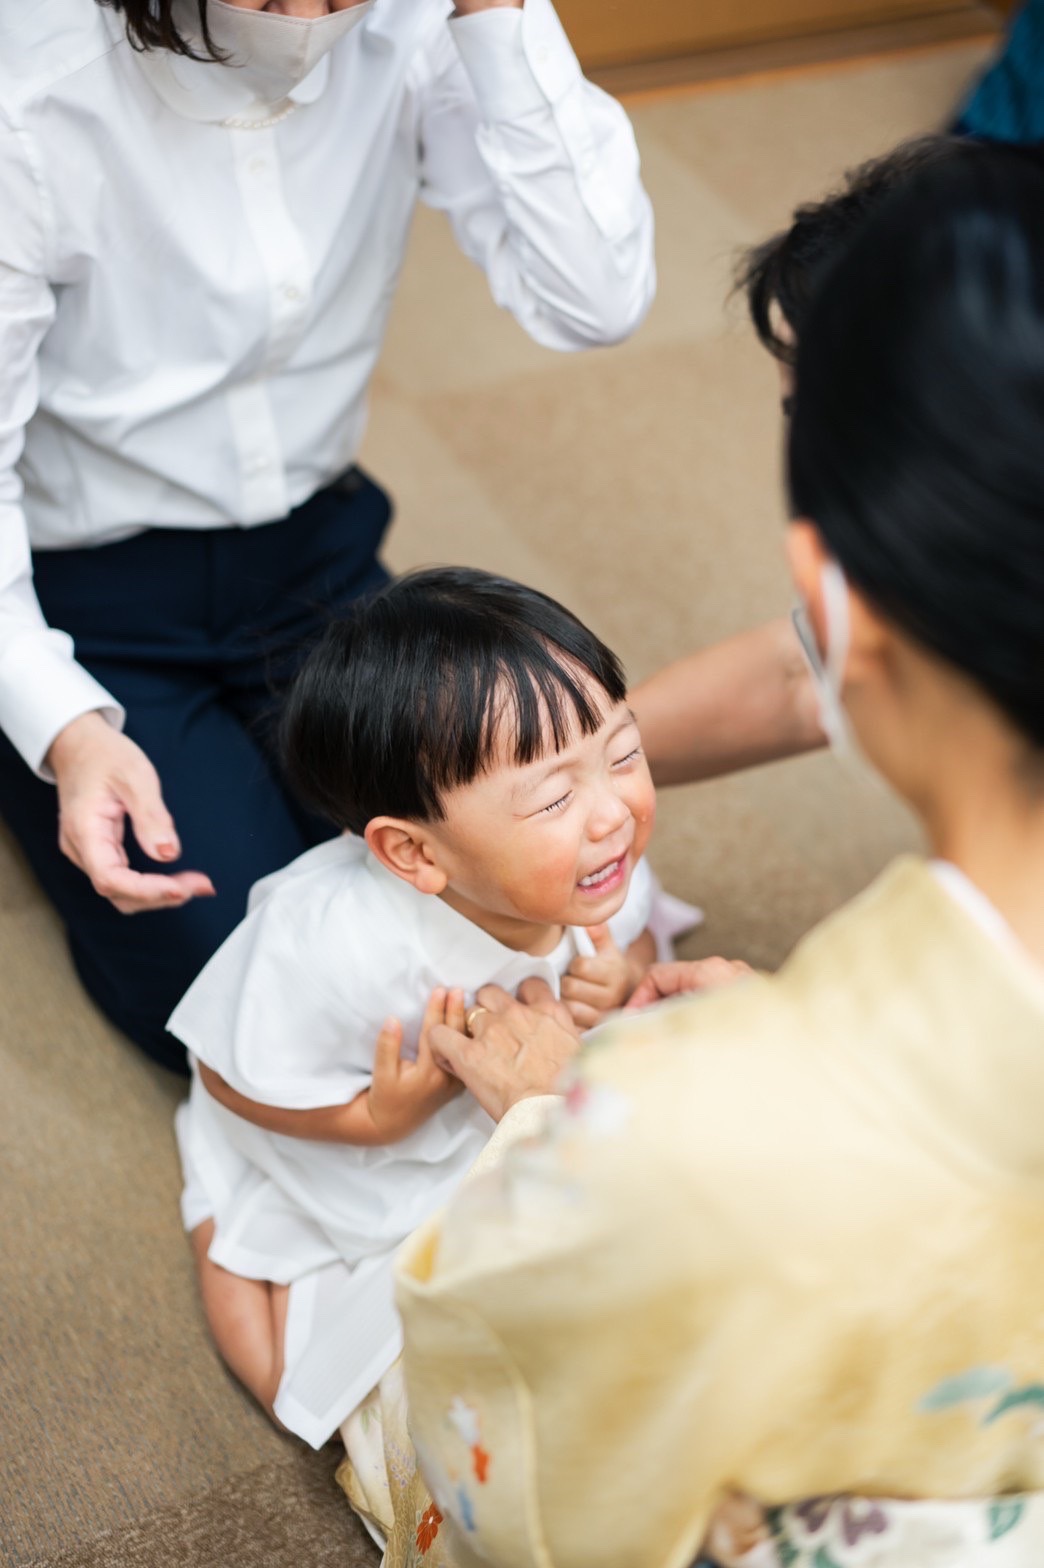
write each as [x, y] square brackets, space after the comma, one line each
[834, 588]
[828, 668]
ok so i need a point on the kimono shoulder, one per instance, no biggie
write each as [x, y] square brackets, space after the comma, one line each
[750, 1251]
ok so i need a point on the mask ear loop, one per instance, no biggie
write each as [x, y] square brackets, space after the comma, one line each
[827, 668]
[807, 640]
[838, 625]
[828, 672]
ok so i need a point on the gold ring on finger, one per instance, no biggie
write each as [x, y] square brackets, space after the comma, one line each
[470, 1016]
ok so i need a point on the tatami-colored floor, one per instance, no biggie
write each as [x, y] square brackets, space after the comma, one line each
[640, 485]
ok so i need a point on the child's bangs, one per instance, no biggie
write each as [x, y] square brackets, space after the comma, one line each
[511, 708]
[539, 709]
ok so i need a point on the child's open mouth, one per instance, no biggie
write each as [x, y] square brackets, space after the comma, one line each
[605, 879]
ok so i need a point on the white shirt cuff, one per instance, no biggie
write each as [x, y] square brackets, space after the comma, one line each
[518, 61]
[42, 689]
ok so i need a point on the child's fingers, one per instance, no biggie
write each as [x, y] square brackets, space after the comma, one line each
[445, 1011]
[583, 991]
[583, 1015]
[455, 1011]
[433, 1085]
[387, 1055]
[603, 941]
[435, 1010]
[434, 1013]
[597, 970]
[448, 1088]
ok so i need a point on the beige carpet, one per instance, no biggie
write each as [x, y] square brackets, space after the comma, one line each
[639, 485]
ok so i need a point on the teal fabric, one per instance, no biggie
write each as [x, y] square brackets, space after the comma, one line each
[1007, 105]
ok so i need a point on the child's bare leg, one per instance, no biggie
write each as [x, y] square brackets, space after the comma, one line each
[247, 1318]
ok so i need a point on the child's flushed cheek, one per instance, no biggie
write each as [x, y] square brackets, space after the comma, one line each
[515, 875]
[542, 883]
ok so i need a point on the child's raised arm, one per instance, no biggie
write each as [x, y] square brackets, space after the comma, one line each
[403, 1094]
[594, 987]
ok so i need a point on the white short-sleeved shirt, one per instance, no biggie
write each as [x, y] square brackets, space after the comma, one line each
[288, 1012]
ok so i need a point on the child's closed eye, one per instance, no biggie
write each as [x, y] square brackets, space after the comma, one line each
[632, 756]
[556, 805]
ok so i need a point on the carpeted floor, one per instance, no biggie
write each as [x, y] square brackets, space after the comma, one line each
[639, 485]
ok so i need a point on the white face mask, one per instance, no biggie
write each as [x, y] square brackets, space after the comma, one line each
[273, 54]
[828, 669]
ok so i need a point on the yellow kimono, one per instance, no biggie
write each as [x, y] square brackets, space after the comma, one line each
[787, 1238]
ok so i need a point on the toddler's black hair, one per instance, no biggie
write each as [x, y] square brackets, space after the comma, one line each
[406, 697]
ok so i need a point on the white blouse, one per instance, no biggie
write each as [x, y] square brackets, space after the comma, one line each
[194, 290]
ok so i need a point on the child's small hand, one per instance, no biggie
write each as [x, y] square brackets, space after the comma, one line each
[404, 1093]
[592, 987]
[702, 974]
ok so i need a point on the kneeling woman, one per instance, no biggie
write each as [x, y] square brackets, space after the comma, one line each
[787, 1240]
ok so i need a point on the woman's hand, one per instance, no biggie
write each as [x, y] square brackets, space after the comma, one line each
[103, 778]
[704, 974]
[516, 1049]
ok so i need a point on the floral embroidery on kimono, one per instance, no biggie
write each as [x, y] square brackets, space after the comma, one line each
[428, 1528]
[864, 1532]
[981, 1383]
[599, 1109]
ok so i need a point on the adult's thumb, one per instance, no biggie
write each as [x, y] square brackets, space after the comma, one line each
[152, 823]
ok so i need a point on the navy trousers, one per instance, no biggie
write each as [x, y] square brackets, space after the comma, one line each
[195, 632]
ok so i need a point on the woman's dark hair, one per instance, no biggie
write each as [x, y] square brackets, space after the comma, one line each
[409, 695]
[916, 444]
[150, 25]
[780, 276]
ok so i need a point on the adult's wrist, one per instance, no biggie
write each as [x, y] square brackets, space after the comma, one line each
[533, 1093]
[75, 738]
[42, 691]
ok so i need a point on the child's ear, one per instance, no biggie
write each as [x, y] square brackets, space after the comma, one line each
[404, 848]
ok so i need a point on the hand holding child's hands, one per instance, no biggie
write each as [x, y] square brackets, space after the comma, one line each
[404, 1093]
[593, 987]
[514, 1048]
[704, 974]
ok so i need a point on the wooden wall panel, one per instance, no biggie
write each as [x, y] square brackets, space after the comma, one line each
[612, 32]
